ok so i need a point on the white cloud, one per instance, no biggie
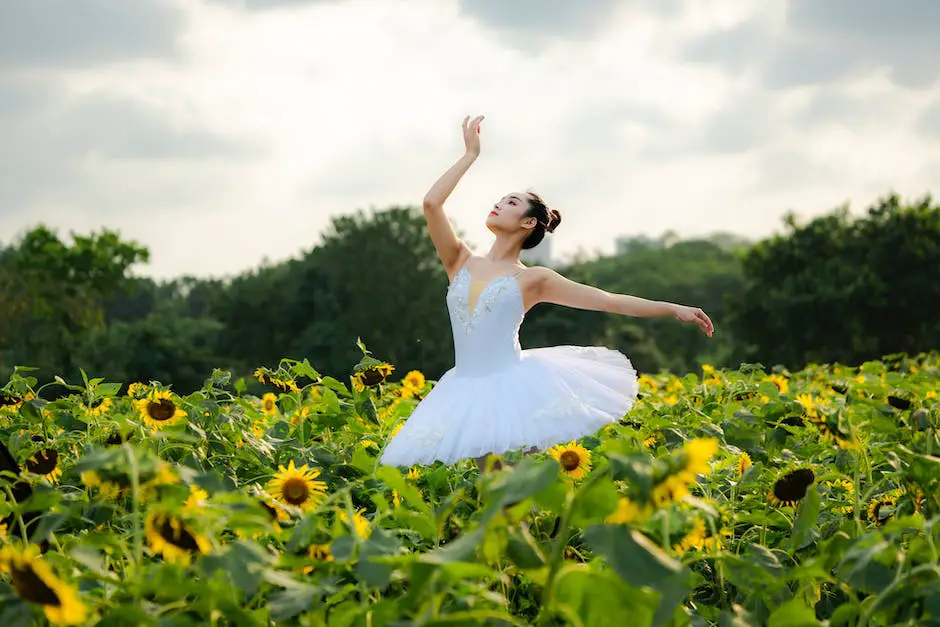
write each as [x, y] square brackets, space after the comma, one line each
[268, 122]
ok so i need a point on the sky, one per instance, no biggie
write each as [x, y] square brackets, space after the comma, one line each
[222, 133]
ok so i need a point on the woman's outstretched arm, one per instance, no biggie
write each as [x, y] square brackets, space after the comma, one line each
[450, 249]
[551, 287]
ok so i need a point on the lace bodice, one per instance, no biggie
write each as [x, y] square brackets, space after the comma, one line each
[486, 338]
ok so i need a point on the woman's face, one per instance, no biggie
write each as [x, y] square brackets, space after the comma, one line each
[506, 216]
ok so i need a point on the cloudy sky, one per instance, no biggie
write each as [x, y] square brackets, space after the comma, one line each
[221, 132]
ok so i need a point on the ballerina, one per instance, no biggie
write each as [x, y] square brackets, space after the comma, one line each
[499, 397]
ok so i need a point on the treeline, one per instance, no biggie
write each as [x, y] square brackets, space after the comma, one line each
[837, 288]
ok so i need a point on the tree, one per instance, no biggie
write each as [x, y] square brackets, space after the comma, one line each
[52, 293]
[374, 276]
[692, 272]
[843, 289]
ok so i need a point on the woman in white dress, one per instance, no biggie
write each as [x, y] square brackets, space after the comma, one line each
[499, 397]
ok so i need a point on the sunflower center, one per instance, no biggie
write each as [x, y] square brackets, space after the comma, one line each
[570, 460]
[116, 439]
[32, 588]
[162, 409]
[177, 536]
[43, 463]
[269, 405]
[295, 491]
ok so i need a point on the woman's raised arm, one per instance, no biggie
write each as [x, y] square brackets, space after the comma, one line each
[451, 250]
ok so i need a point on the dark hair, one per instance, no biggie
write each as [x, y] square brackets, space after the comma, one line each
[548, 220]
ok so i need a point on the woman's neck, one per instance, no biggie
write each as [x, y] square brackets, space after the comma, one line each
[504, 251]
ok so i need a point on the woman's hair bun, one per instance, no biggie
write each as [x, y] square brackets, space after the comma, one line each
[554, 219]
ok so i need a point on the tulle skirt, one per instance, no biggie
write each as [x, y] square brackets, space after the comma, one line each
[553, 395]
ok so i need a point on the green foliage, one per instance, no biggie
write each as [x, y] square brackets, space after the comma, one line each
[730, 497]
[52, 293]
[834, 290]
[702, 273]
[844, 289]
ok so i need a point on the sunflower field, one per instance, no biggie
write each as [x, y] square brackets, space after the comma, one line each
[730, 497]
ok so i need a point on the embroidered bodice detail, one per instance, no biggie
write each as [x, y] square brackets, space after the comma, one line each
[487, 334]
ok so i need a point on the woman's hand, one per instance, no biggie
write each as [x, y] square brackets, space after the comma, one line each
[471, 135]
[695, 316]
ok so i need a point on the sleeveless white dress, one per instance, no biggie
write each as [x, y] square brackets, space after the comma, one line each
[498, 397]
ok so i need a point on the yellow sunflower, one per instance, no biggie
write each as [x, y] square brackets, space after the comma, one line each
[137, 390]
[575, 460]
[170, 536]
[298, 486]
[700, 538]
[196, 500]
[783, 385]
[99, 406]
[288, 385]
[842, 490]
[34, 581]
[360, 523]
[159, 409]
[372, 375]
[809, 405]
[45, 463]
[107, 490]
[259, 374]
[744, 462]
[628, 512]
[269, 403]
[694, 459]
[877, 506]
[317, 553]
[320, 552]
[414, 380]
[694, 539]
[791, 487]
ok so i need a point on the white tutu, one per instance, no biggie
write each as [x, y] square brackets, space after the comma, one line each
[499, 398]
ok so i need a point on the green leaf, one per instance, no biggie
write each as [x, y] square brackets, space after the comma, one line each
[523, 550]
[13, 611]
[245, 563]
[807, 515]
[336, 386]
[740, 618]
[865, 564]
[91, 559]
[527, 479]
[31, 410]
[463, 549]
[126, 615]
[794, 613]
[642, 564]
[600, 599]
[362, 461]
[343, 548]
[634, 469]
[844, 616]
[108, 389]
[295, 598]
[291, 602]
[594, 502]
[374, 573]
[393, 479]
